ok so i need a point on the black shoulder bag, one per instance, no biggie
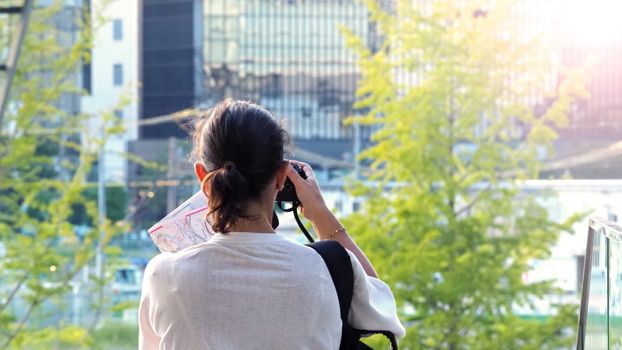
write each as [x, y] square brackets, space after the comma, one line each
[340, 267]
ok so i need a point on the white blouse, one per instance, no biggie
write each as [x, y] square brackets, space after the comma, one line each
[253, 291]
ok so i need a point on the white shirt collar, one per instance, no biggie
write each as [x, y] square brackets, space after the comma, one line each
[246, 237]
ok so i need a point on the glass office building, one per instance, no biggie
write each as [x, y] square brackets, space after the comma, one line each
[289, 56]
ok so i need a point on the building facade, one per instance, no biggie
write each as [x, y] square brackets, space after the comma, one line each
[591, 34]
[289, 56]
[592, 37]
[171, 64]
[111, 79]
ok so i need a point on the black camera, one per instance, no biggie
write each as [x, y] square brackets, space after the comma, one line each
[288, 193]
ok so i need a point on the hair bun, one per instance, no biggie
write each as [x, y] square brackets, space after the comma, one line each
[229, 165]
[232, 180]
[229, 191]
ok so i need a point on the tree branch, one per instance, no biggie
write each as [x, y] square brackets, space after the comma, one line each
[14, 292]
[21, 282]
[475, 200]
[20, 325]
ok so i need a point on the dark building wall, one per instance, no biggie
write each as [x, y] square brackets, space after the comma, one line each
[169, 68]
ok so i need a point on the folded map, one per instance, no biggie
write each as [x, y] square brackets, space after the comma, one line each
[185, 226]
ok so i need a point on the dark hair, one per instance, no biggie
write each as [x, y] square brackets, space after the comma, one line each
[241, 146]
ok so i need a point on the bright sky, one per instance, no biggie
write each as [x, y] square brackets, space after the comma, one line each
[595, 21]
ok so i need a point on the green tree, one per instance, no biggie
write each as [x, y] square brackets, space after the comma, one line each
[450, 91]
[116, 205]
[45, 157]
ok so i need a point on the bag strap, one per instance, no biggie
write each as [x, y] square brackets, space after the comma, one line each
[340, 267]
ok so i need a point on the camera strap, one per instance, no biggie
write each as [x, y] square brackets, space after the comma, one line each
[294, 208]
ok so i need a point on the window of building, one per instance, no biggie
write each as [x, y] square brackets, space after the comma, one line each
[117, 74]
[86, 78]
[612, 217]
[117, 29]
[339, 206]
[305, 112]
[356, 206]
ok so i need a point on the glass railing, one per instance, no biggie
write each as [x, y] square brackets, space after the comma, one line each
[600, 318]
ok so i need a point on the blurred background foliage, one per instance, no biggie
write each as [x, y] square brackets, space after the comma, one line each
[49, 223]
[444, 222]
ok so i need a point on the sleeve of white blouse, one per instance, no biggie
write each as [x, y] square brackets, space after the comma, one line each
[373, 305]
[147, 338]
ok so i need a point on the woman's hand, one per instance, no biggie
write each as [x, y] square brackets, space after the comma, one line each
[325, 223]
[308, 192]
